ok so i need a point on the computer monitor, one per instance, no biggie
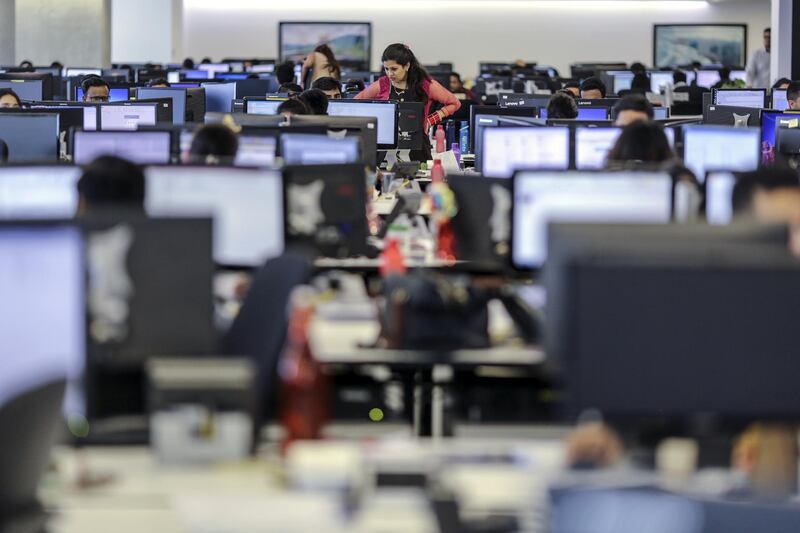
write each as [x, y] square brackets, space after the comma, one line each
[719, 197]
[31, 137]
[82, 71]
[592, 113]
[246, 204]
[655, 303]
[214, 67]
[115, 94]
[197, 74]
[542, 198]
[142, 147]
[756, 98]
[659, 80]
[770, 121]
[363, 129]
[740, 117]
[177, 95]
[510, 100]
[506, 150]
[42, 324]
[478, 114]
[326, 209]
[68, 116]
[268, 68]
[262, 107]
[707, 78]
[622, 80]
[411, 134]
[115, 117]
[29, 90]
[38, 192]
[660, 113]
[256, 150]
[787, 141]
[310, 149]
[219, 97]
[707, 148]
[779, 100]
[385, 112]
[592, 146]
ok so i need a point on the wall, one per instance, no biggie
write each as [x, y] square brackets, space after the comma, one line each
[75, 32]
[7, 32]
[143, 30]
[555, 32]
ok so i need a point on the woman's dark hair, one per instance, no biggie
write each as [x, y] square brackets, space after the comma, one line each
[641, 141]
[355, 84]
[285, 72]
[292, 89]
[562, 105]
[316, 100]
[188, 63]
[402, 55]
[782, 81]
[4, 92]
[215, 140]
[158, 81]
[333, 67]
[57, 64]
[26, 63]
[326, 83]
[294, 106]
[112, 182]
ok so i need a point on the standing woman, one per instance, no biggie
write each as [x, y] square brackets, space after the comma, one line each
[407, 81]
[322, 63]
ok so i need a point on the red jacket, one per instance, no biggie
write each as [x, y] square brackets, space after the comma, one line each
[436, 93]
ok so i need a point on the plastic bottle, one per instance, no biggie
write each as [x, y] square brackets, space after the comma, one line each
[437, 172]
[392, 261]
[304, 386]
[440, 139]
[464, 139]
[457, 151]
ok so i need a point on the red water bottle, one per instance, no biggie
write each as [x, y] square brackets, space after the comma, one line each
[303, 385]
[437, 172]
[440, 139]
[392, 261]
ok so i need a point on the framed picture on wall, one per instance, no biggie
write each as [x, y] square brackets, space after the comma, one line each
[710, 44]
[351, 42]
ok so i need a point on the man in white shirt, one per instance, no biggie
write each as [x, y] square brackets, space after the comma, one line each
[758, 74]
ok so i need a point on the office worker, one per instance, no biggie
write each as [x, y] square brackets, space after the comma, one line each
[9, 99]
[407, 81]
[562, 105]
[110, 183]
[573, 88]
[458, 89]
[95, 90]
[291, 88]
[213, 144]
[293, 107]
[158, 83]
[782, 83]
[322, 63]
[25, 64]
[758, 73]
[641, 142]
[593, 88]
[285, 73]
[632, 108]
[330, 86]
[316, 100]
[793, 95]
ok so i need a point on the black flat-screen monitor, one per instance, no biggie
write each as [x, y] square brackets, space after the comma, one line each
[351, 42]
[219, 97]
[142, 147]
[246, 205]
[115, 93]
[28, 90]
[31, 137]
[505, 150]
[753, 98]
[326, 209]
[482, 116]
[89, 111]
[262, 106]
[707, 148]
[127, 116]
[176, 95]
[310, 149]
[724, 115]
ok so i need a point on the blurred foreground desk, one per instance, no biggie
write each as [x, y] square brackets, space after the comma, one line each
[341, 342]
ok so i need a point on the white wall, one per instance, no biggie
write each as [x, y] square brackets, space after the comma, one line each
[556, 32]
[142, 31]
[75, 32]
[7, 31]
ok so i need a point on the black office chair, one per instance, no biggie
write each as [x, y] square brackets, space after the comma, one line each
[3, 151]
[259, 330]
[28, 425]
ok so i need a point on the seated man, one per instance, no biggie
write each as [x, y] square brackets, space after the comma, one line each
[109, 184]
[562, 105]
[632, 108]
[95, 90]
[330, 86]
[593, 89]
[213, 144]
[316, 100]
[793, 95]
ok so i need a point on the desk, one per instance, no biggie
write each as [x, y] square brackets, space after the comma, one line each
[365, 263]
[383, 206]
[340, 342]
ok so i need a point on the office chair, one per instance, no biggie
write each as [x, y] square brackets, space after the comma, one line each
[3, 151]
[28, 425]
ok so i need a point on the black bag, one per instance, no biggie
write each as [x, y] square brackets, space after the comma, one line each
[425, 311]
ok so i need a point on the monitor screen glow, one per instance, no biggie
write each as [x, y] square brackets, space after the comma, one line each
[386, 113]
[508, 149]
[719, 196]
[311, 149]
[124, 117]
[263, 107]
[741, 98]
[592, 146]
[143, 147]
[38, 192]
[708, 148]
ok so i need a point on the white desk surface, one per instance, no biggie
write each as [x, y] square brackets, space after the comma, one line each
[383, 206]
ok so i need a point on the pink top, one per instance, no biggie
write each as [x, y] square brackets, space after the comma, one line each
[436, 93]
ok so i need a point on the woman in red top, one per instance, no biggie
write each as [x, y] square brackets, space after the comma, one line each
[407, 81]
